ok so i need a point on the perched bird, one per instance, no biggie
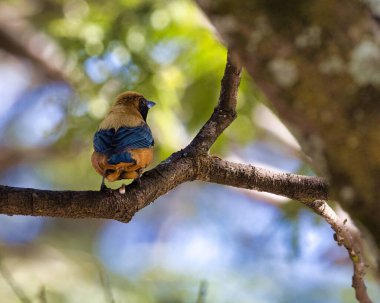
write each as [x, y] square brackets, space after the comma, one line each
[124, 143]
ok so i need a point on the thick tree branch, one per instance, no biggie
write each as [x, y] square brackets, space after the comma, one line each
[296, 187]
[288, 51]
[191, 163]
[94, 204]
[169, 174]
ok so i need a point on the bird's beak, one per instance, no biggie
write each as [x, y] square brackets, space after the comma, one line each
[150, 104]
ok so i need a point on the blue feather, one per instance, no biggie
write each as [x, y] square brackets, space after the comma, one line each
[116, 143]
[123, 157]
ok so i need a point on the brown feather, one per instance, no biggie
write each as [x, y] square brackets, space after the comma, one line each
[125, 112]
[123, 170]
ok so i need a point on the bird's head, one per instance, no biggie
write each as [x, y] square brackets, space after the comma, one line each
[136, 101]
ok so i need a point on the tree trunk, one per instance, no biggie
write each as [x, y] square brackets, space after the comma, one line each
[318, 63]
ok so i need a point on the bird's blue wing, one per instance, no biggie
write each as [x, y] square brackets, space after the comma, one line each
[132, 137]
[110, 142]
[103, 141]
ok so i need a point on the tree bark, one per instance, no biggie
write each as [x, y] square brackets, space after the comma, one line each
[318, 63]
[175, 170]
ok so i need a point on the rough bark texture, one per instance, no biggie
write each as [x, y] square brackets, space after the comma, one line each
[177, 169]
[296, 187]
[318, 63]
[95, 204]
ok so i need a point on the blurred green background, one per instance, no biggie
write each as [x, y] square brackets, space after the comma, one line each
[61, 65]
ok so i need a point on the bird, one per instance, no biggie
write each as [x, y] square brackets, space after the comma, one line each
[123, 143]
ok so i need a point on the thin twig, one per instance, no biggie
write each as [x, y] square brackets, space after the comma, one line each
[20, 294]
[343, 237]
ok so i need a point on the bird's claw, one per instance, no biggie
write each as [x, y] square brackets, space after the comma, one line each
[137, 181]
[105, 189]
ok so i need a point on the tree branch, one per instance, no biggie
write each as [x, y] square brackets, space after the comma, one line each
[191, 163]
[95, 204]
[343, 237]
[15, 44]
[224, 113]
[296, 187]
[169, 174]
[266, 37]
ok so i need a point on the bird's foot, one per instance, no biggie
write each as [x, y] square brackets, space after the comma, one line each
[103, 186]
[137, 181]
[105, 189]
